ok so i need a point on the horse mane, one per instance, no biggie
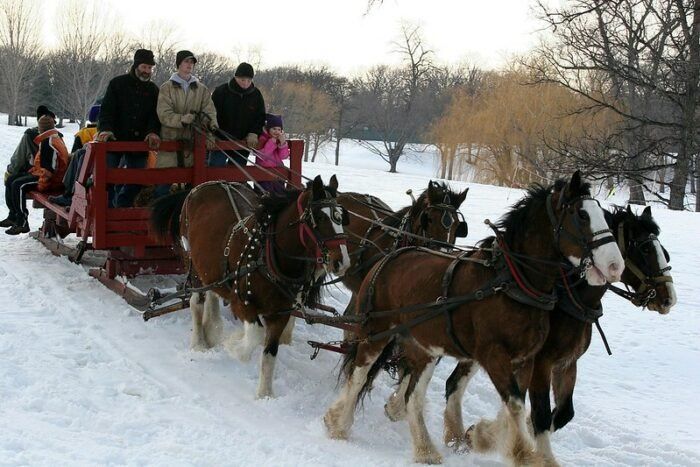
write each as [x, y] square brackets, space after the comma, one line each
[272, 204]
[619, 214]
[521, 213]
[394, 220]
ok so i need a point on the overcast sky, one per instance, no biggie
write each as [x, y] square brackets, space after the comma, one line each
[335, 32]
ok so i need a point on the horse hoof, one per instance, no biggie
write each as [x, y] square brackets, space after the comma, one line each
[457, 444]
[199, 346]
[469, 438]
[329, 419]
[394, 414]
[260, 395]
[430, 457]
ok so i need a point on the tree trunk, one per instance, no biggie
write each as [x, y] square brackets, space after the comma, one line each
[697, 182]
[307, 142]
[693, 174]
[337, 135]
[337, 150]
[316, 139]
[685, 151]
[393, 159]
[452, 157]
[443, 161]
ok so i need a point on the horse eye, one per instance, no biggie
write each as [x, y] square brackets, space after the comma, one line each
[583, 215]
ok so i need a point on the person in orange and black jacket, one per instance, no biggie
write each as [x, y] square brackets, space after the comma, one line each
[46, 174]
[77, 154]
[22, 160]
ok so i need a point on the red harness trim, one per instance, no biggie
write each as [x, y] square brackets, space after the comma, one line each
[516, 274]
[306, 231]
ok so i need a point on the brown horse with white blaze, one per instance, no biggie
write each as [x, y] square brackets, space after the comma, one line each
[470, 307]
[432, 220]
[264, 264]
[578, 307]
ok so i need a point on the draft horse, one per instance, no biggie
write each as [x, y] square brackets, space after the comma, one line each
[432, 220]
[490, 306]
[577, 309]
[265, 264]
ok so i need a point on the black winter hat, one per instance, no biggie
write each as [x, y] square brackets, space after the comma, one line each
[182, 55]
[244, 70]
[43, 110]
[144, 56]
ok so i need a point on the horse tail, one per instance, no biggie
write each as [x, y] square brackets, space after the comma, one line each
[165, 215]
[384, 361]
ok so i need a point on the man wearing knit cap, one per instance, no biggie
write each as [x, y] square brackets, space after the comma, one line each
[240, 111]
[128, 113]
[46, 173]
[184, 106]
[23, 158]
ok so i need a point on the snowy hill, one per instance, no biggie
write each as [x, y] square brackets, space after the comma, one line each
[84, 381]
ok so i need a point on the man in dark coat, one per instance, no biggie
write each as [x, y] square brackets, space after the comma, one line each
[240, 112]
[128, 113]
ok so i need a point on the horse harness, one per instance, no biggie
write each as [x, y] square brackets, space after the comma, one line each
[649, 280]
[266, 262]
[402, 236]
[508, 279]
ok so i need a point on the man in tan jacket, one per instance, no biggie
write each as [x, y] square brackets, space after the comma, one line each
[179, 99]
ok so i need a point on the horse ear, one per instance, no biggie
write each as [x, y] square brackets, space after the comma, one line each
[575, 180]
[432, 190]
[317, 187]
[334, 182]
[461, 197]
[647, 212]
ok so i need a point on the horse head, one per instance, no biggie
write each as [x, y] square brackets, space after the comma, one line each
[321, 225]
[581, 233]
[437, 213]
[647, 261]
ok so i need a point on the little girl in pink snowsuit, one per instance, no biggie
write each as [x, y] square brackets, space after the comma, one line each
[272, 150]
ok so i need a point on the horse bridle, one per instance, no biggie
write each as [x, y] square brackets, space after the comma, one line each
[579, 237]
[450, 215]
[308, 227]
[649, 280]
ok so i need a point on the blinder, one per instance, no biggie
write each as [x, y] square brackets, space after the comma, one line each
[588, 245]
[462, 230]
[308, 225]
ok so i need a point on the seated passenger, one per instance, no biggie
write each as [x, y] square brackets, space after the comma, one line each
[22, 160]
[46, 174]
[82, 137]
[273, 149]
[87, 134]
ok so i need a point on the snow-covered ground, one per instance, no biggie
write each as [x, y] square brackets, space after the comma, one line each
[84, 381]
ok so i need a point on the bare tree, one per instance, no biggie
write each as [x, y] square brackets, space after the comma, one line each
[389, 98]
[89, 55]
[19, 54]
[640, 59]
[214, 69]
[162, 38]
